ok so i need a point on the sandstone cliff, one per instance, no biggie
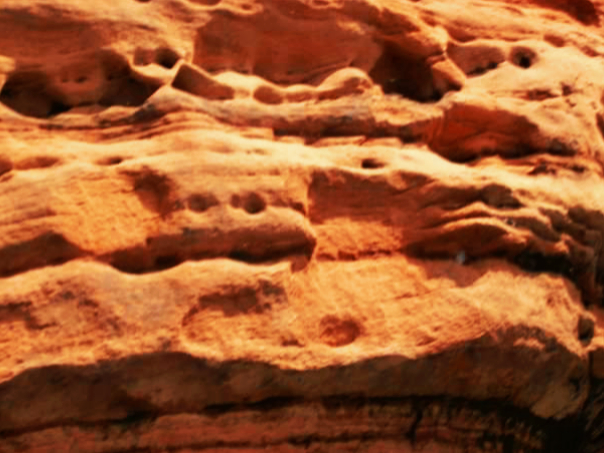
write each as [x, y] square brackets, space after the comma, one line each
[301, 226]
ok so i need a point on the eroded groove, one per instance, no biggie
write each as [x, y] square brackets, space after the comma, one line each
[137, 261]
[456, 421]
[305, 250]
[48, 249]
[164, 252]
[537, 262]
[415, 83]
[155, 259]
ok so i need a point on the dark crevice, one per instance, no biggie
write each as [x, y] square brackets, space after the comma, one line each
[523, 57]
[128, 91]
[32, 93]
[510, 428]
[164, 262]
[412, 433]
[6, 165]
[586, 330]
[580, 274]
[341, 126]
[524, 61]
[136, 418]
[144, 261]
[124, 87]
[52, 250]
[166, 57]
[600, 123]
[49, 249]
[576, 267]
[57, 108]
[469, 156]
[115, 160]
[537, 262]
[409, 77]
[371, 163]
[27, 93]
[270, 256]
[263, 406]
[344, 126]
[480, 70]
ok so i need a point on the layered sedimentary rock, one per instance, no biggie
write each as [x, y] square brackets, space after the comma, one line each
[301, 226]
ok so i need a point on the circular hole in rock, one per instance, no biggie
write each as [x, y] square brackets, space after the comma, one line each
[371, 163]
[336, 331]
[166, 57]
[254, 203]
[523, 58]
[524, 61]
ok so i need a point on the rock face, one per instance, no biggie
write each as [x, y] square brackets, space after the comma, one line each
[301, 226]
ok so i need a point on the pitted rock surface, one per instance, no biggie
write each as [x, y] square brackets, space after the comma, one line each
[302, 226]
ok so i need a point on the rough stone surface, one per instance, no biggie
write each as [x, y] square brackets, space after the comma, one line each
[301, 226]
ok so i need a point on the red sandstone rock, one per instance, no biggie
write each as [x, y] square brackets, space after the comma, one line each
[301, 226]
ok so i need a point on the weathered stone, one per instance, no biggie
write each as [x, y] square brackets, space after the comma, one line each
[301, 225]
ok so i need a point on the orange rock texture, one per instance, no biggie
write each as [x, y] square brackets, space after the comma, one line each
[301, 226]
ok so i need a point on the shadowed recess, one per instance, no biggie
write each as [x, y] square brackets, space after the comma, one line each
[166, 252]
[405, 76]
[203, 387]
[102, 78]
[47, 249]
[27, 93]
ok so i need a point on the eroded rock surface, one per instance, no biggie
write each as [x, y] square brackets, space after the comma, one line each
[301, 226]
